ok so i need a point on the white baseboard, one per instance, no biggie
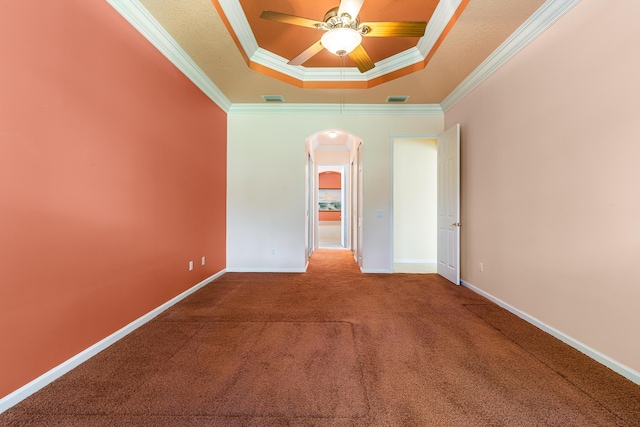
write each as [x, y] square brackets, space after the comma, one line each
[375, 271]
[266, 270]
[27, 390]
[615, 366]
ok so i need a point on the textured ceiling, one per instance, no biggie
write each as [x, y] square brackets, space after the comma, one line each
[206, 36]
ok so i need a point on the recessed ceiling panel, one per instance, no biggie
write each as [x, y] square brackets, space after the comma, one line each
[287, 40]
[204, 33]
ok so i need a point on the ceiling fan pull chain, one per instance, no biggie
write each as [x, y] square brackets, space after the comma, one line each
[341, 83]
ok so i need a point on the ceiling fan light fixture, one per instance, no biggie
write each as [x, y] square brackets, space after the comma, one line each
[341, 41]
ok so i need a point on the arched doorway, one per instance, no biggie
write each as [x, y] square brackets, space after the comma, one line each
[332, 207]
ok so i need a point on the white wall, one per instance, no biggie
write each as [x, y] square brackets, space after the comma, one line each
[551, 183]
[415, 186]
[265, 183]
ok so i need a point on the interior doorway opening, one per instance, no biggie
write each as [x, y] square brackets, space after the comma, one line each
[415, 205]
[441, 163]
[334, 192]
[331, 207]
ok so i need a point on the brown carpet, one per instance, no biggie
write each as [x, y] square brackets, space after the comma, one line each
[334, 347]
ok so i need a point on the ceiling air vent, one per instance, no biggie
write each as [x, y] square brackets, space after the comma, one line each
[397, 99]
[273, 98]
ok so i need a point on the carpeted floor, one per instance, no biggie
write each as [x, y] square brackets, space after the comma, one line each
[334, 347]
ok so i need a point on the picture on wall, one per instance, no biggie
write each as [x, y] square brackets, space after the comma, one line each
[329, 200]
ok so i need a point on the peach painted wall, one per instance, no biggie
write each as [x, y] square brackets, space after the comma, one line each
[551, 183]
[329, 180]
[112, 178]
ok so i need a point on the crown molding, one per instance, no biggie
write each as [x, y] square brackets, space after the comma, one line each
[541, 20]
[336, 74]
[438, 22]
[396, 62]
[336, 109]
[141, 19]
[299, 72]
[238, 21]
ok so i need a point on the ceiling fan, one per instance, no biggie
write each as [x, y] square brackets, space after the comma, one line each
[344, 32]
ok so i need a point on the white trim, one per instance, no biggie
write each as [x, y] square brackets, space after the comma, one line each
[336, 74]
[271, 108]
[266, 270]
[238, 20]
[621, 369]
[300, 72]
[27, 390]
[438, 22]
[393, 63]
[541, 20]
[146, 24]
[383, 67]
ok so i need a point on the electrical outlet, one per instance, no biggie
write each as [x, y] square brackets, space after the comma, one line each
[481, 267]
[190, 265]
[203, 261]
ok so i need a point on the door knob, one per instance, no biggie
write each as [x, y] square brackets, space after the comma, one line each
[455, 224]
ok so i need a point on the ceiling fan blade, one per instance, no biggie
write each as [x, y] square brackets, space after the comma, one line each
[395, 29]
[307, 54]
[289, 19]
[362, 59]
[352, 7]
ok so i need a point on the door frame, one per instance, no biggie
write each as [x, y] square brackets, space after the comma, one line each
[310, 185]
[345, 193]
[352, 190]
[392, 194]
[392, 138]
[358, 205]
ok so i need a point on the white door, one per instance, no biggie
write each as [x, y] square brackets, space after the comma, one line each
[449, 204]
[309, 208]
[360, 194]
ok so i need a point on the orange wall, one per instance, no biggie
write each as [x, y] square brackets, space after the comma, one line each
[112, 178]
[329, 180]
